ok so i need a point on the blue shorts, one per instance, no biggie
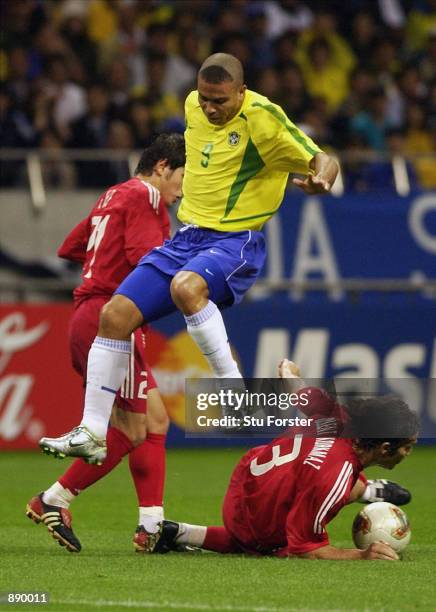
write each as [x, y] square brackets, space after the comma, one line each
[229, 262]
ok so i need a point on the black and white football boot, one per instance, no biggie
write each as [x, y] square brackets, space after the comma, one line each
[387, 491]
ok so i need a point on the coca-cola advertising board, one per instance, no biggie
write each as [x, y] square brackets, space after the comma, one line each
[40, 394]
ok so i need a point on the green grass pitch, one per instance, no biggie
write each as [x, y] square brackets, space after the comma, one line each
[107, 574]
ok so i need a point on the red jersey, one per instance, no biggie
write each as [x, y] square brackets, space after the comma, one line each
[127, 221]
[282, 495]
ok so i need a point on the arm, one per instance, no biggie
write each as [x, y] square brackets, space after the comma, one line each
[73, 247]
[286, 148]
[325, 170]
[377, 550]
[321, 404]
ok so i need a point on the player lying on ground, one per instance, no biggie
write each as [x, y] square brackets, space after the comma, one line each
[240, 151]
[281, 496]
[127, 221]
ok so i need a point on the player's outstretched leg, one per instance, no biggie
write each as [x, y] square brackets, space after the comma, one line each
[107, 366]
[183, 537]
[57, 519]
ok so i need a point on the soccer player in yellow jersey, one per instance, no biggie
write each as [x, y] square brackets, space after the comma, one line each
[240, 149]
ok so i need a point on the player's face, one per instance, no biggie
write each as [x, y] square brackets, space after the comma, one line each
[220, 102]
[389, 460]
[171, 184]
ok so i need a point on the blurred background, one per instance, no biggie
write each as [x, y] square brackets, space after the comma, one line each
[349, 288]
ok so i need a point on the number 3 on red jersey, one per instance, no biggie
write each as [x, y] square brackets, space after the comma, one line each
[99, 223]
[277, 458]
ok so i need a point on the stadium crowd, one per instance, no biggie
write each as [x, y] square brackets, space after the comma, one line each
[88, 74]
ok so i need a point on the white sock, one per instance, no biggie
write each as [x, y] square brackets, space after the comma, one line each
[366, 494]
[150, 517]
[207, 328]
[107, 366]
[56, 495]
[194, 535]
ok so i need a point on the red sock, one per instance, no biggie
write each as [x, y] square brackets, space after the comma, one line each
[147, 466]
[80, 475]
[220, 540]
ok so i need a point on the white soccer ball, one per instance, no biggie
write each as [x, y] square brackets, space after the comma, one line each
[381, 522]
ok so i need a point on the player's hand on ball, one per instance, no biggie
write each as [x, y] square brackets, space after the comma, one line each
[380, 550]
[313, 184]
[288, 369]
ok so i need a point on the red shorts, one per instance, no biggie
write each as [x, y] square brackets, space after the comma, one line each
[233, 510]
[139, 379]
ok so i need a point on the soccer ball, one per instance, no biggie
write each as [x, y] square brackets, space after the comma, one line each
[381, 522]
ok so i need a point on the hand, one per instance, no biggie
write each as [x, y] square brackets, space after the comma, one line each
[313, 184]
[380, 550]
[288, 369]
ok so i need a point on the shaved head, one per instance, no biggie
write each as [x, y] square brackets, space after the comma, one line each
[221, 68]
[221, 88]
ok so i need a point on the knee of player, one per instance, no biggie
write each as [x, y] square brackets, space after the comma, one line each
[116, 320]
[158, 424]
[136, 429]
[138, 435]
[187, 288]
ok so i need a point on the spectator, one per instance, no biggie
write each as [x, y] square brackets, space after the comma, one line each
[292, 94]
[119, 87]
[141, 124]
[371, 125]
[426, 60]
[19, 76]
[324, 28]
[268, 84]
[181, 68]
[361, 83]
[102, 21]
[120, 137]
[287, 15]
[75, 33]
[147, 53]
[285, 48]
[163, 106]
[420, 22]
[384, 60]
[322, 77]
[261, 46]
[56, 172]
[378, 176]
[237, 44]
[91, 131]
[15, 131]
[315, 125]
[411, 85]
[128, 41]
[419, 143]
[20, 21]
[364, 35]
[69, 101]
[191, 47]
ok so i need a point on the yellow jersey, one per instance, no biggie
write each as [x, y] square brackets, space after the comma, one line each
[236, 174]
